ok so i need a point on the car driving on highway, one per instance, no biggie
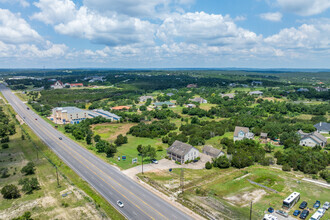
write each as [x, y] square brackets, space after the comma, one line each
[120, 204]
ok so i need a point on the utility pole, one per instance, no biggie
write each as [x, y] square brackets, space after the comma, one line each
[142, 162]
[182, 180]
[58, 181]
[251, 211]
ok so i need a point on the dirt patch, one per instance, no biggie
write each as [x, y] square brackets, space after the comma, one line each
[109, 128]
[244, 199]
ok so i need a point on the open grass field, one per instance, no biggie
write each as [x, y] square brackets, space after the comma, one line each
[48, 203]
[228, 191]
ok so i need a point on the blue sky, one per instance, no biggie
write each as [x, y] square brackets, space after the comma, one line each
[164, 33]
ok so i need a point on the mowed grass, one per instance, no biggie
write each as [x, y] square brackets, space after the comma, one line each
[225, 184]
[129, 150]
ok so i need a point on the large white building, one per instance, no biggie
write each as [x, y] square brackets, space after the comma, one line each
[66, 115]
[74, 115]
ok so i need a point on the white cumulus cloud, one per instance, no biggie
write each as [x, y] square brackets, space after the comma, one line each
[305, 7]
[272, 16]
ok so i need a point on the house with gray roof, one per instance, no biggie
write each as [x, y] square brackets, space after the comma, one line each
[256, 93]
[213, 152]
[229, 95]
[311, 139]
[145, 98]
[182, 152]
[322, 127]
[199, 100]
[241, 133]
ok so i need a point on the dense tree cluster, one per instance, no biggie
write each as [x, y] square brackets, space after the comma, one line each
[7, 128]
[307, 160]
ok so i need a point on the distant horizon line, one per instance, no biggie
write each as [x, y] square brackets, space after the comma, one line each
[184, 68]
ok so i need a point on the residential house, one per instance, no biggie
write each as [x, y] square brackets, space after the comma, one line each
[182, 152]
[322, 127]
[191, 106]
[76, 85]
[199, 100]
[192, 86]
[121, 108]
[170, 94]
[57, 85]
[257, 93]
[256, 83]
[213, 152]
[241, 133]
[321, 89]
[145, 98]
[263, 136]
[159, 104]
[312, 139]
[229, 95]
[302, 90]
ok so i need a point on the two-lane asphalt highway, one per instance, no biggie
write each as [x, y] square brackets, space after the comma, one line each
[112, 184]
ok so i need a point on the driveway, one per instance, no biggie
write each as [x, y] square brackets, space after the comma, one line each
[165, 164]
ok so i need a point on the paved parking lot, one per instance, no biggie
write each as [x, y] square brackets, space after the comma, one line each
[166, 164]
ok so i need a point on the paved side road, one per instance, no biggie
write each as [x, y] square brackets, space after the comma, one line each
[112, 184]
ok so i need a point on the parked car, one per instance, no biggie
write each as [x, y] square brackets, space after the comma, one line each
[316, 216]
[36, 119]
[280, 212]
[296, 212]
[28, 108]
[120, 204]
[270, 210]
[326, 205]
[317, 204]
[154, 161]
[321, 211]
[60, 138]
[304, 214]
[269, 217]
[303, 205]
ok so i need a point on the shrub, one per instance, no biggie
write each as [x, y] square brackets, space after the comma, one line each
[4, 172]
[208, 165]
[159, 148]
[10, 192]
[286, 167]
[325, 174]
[25, 216]
[221, 162]
[28, 169]
[177, 162]
[5, 146]
[29, 185]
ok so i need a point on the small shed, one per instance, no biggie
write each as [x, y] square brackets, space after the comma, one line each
[263, 135]
[213, 152]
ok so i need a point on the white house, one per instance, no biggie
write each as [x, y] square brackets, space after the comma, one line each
[57, 85]
[312, 139]
[257, 93]
[182, 152]
[199, 100]
[241, 133]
